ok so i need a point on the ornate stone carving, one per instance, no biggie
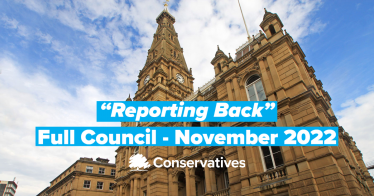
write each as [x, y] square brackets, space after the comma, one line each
[215, 153]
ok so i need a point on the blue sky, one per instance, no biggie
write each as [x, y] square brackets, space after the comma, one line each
[58, 57]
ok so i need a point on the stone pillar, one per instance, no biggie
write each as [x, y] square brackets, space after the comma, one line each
[304, 73]
[213, 179]
[229, 90]
[148, 186]
[126, 156]
[243, 171]
[172, 189]
[132, 188]
[274, 74]
[136, 181]
[127, 190]
[192, 183]
[265, 77]
[119, 192]
[188, 182]
[236, 88]
[208, 184]
[170, 74]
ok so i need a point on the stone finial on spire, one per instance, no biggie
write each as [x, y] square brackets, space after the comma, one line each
[129, 98]
[265, 10]
[166, 5]
[217, 47]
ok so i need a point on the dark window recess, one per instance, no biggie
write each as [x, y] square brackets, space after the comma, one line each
[272, 30]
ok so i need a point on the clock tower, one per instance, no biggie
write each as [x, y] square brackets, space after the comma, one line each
[165, 75]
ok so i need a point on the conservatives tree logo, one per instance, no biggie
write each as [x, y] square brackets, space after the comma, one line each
[139, 161]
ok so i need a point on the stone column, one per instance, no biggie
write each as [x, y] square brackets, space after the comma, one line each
[213, 179]
[136, 186]
[229, 90]
[208, 184]
[274, 74]
[192, 183]
[265, 77]
[188, 185]
[171, 187]
[170, 72]
[132, 188]
[148, 186]
[243, 171]
[126, 156]
[119, 192]
[304, 73]
[236, 88]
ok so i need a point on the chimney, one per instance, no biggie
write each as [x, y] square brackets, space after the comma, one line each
[86, 159]
[102, 160]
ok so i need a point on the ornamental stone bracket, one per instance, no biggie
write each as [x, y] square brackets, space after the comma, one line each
[216, 153]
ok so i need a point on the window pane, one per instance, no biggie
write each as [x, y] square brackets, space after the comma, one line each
[265, 150]
[252, 79]
[268, 162]
[275, 149]
[260, 91]
[252, 94]
[278, 159]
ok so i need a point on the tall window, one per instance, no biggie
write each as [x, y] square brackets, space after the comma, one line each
[89, 169]
[272, 29]
[226, 178]
[272, 157]
[111, 186]
[255, 90]
[113, 172]
[219, 67]
[87, 184]
[136, 150]
[100, 185]
[101, 170]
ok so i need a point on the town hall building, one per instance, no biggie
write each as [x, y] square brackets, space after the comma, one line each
[270, 66]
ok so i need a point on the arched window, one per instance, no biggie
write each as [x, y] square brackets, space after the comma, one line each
[136, 150]
[272, 157]
[175, 54]
[272, 30]
[255, 90]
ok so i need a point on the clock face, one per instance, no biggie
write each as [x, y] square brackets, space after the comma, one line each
[180, 78]
[146, 79]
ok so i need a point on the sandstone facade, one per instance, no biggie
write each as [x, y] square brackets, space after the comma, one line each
[270, 66]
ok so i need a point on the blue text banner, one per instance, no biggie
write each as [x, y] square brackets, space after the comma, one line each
[186, 136]
[186, 111]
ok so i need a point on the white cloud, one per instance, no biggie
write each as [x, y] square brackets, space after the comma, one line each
[9, 22]
[30, 100]
[111, 28]
[356, 117]
[199, 23]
